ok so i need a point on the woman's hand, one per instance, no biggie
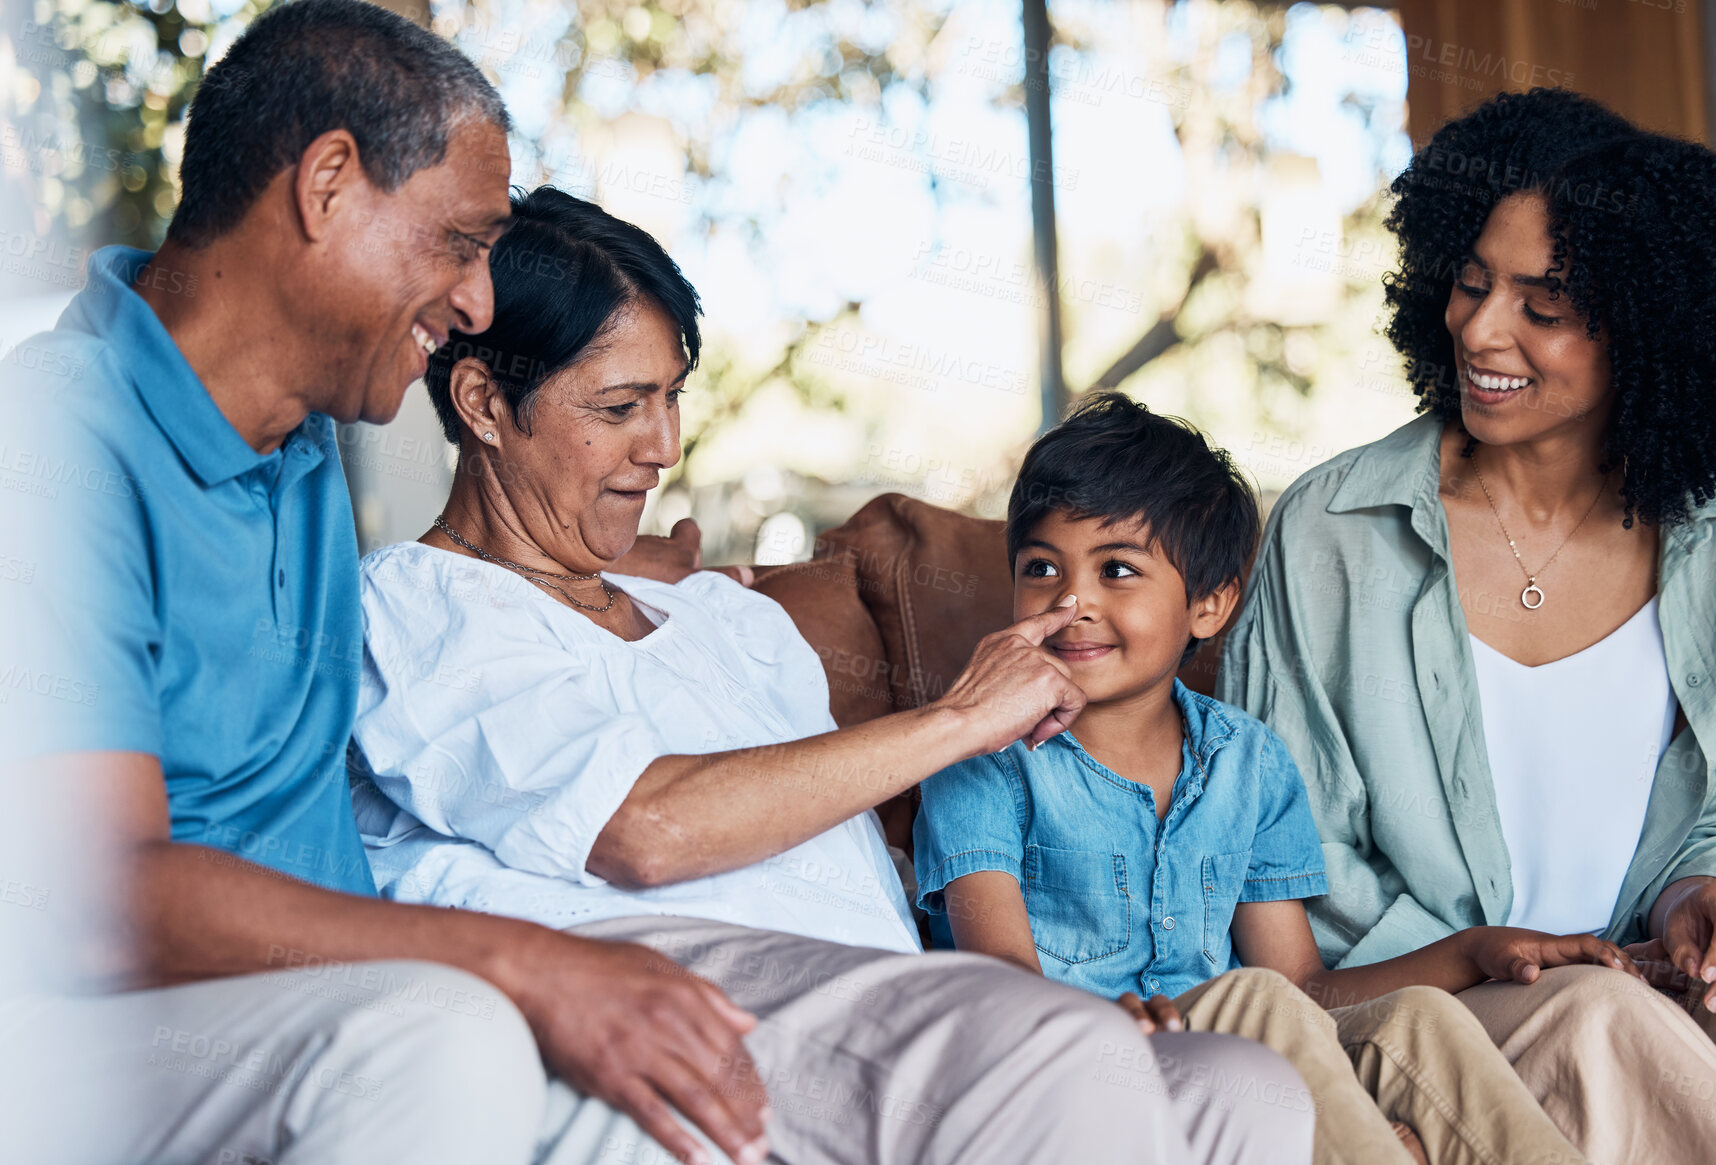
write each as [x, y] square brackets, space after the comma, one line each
[1013, 688]
[1158, 1013]
[670, 559]
[1511, 953]
[1659, 970]
[1689, 931]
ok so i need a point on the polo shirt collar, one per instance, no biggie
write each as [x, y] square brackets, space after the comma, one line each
[169, 389]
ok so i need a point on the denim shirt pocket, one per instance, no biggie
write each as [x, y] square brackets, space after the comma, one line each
[1224, 878]
[1077, 900]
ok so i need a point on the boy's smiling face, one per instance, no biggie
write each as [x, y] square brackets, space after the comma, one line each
[1133, 618]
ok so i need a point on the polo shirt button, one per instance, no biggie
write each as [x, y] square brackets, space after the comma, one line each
[1168, 923]
[1155, 984]
[1694, 680]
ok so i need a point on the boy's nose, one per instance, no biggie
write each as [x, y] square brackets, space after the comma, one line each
[1087, 609]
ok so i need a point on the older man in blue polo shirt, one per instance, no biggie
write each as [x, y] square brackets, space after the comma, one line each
[219, 981]
[185, 659]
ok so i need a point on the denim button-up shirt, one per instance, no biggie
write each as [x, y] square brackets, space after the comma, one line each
[1352, 645]
[1118, 900]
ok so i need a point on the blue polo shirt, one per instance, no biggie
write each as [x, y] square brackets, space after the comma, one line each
[186, 596]
[1119, 901]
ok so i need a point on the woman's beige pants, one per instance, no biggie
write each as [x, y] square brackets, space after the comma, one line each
[1623, 1070]
[1416, 1055]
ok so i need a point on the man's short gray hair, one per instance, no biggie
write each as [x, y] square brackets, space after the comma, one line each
[307, 67]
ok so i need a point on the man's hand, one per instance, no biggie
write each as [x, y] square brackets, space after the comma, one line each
[1511, 953]
[1689, 931]
[1014, 688]
[1158, 1013]
[626, 1025]
[670, 559]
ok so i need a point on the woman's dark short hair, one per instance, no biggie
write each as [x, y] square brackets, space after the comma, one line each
[309, 67]
[1114, 459]
[563, 272]
[1632, 222]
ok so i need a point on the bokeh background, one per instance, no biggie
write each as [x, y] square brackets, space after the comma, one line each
[903, 282]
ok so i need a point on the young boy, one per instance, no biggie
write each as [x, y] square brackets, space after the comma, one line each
[1165, 839]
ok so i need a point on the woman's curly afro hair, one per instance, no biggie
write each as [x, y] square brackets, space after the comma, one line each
[1632, 222]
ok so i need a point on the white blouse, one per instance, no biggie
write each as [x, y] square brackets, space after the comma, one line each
[1573, 748]
[503, 730]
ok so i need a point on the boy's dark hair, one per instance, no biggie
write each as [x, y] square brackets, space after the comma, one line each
[563, 271]
[308, 67]
[1114, 459]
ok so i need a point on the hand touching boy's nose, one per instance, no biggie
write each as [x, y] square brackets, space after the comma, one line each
[1014, 688]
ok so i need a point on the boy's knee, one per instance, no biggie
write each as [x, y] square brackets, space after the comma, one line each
[1420, 1010]
[1262, 988]
[1260, 981]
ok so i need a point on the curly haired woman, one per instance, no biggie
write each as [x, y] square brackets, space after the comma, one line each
[1489, 639]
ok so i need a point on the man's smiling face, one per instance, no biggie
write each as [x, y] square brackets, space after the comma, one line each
[408, 267]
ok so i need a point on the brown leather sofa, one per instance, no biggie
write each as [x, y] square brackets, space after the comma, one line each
[895, 600]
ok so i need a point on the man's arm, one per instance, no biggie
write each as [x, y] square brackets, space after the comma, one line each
[615, 1020]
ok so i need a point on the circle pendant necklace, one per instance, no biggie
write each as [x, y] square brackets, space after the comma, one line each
[1532, 596]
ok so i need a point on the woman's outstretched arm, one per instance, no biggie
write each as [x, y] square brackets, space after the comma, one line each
[691, 816]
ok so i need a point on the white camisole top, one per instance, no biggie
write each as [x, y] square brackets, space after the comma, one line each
[1573, 749]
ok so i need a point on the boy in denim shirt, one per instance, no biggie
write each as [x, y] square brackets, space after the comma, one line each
[1165, 841]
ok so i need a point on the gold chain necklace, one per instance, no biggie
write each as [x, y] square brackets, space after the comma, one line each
[530, 572]
[1531, 586]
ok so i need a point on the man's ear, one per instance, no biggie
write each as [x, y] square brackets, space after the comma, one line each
[1210, 613]
[330, 181]
[479, 401]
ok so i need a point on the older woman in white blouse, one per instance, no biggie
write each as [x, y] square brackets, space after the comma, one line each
[657, 763]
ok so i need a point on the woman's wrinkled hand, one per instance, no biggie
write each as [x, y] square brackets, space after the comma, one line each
[1512, 953]
[1157, 1013]
[1014, 688]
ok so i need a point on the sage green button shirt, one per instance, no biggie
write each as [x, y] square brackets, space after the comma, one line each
[1352, 646]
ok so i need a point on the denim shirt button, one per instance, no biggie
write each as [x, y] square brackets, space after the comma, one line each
[1168, 923]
